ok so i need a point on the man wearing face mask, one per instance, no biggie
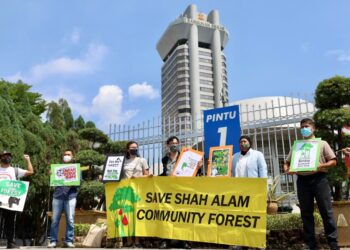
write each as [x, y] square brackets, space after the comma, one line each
[249, 162]
[314, 185]
[64, 199]
[8, 172]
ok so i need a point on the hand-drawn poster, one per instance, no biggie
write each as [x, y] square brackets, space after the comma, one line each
[187, 164]
[305, 155]
[220, 161]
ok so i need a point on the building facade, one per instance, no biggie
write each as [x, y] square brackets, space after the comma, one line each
[194, 76]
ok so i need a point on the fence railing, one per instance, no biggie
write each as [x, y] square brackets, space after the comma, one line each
[272, 123]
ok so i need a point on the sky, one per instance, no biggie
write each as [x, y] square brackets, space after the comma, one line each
[101, 55]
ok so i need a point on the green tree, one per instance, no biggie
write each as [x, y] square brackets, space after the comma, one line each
[79, 123]
[95, 136]
[67, 113]
[332, 97]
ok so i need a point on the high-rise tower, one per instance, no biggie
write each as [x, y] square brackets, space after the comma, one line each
[194, 76]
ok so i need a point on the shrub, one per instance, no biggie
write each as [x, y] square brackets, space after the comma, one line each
[89, 194]
[81, 229]
[289, 221]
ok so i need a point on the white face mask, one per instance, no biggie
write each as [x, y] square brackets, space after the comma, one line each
[67, 158]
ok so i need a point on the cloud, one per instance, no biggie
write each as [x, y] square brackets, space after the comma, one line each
[341, 55]
[65, 66]
[108, 106]
[143, 90]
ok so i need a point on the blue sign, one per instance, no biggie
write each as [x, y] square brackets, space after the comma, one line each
[221, 127]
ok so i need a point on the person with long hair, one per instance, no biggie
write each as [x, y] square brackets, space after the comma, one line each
[134, 167]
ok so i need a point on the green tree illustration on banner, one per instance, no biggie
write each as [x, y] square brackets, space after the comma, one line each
[122, 209]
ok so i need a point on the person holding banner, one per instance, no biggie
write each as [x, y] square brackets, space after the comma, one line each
[64, 199]
[248, 162]
[8, 172]
[169, 162]
[314, 185]
[134, 167]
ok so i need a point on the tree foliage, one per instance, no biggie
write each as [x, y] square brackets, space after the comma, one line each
[332, 99]
[23, 132]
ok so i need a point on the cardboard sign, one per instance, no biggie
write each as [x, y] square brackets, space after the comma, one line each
[187, 164]
[113, 167]
[13, 194]
[305, 155]
[65, 174]
[220, 161]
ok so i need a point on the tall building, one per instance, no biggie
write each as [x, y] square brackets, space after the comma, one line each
[194, 76]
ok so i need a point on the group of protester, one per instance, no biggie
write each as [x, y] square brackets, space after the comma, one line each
[246, 163]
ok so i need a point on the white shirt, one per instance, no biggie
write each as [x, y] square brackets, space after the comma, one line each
[134, 167]
[9, 173]
[241, 169]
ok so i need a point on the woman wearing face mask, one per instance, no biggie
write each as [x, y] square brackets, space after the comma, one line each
[249, 162]
[134, 166]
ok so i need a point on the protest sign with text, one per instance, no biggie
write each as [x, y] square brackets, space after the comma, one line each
[13, 194]
[65, 174]
[220, 161]
[187, 164]
[228, 211]
[113, 168]
[305, 155]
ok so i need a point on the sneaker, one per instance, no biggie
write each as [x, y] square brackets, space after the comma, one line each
[69, 245]
[11, 245]
[52, 245]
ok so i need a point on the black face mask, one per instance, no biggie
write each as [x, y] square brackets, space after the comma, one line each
[174, 148]
[133, 151]
[6, 160]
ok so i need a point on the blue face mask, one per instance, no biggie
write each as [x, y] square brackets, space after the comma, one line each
[306, 132]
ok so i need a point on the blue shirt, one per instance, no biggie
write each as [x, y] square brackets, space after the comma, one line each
[65, 193]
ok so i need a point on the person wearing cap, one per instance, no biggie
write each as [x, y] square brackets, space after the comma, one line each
[8, 172]
[248, 162]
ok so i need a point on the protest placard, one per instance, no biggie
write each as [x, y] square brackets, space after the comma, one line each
[187, 164]
[220, 161]
[113, 167]
[13, 194]
[65, 174]
[305, 155]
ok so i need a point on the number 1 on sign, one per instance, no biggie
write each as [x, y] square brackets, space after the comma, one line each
[223, 133]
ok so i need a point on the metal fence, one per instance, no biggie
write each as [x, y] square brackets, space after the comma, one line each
[272, 123]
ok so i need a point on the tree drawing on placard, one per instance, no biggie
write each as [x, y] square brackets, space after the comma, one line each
[122, 209]
[305, 151]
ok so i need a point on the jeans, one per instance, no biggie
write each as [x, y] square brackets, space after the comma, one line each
[68, 206]
[316, 187]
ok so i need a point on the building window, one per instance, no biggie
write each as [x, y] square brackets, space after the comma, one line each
[204, 53]
[207, 97]
[204, 60]
[205, 74]
[205, 67]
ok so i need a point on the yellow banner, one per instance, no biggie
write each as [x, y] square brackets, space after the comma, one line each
[219, 210]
